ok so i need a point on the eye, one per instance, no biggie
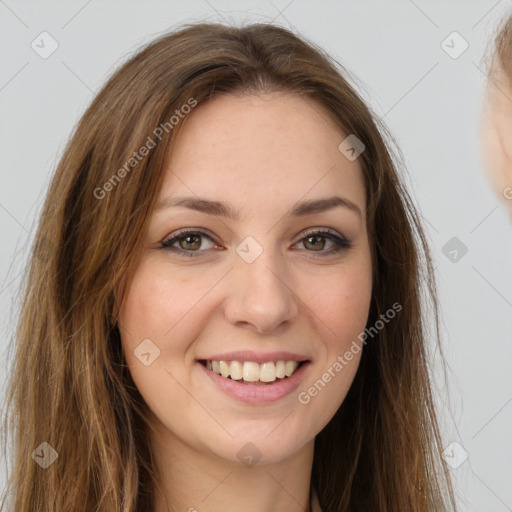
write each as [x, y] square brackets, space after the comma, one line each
[315, 241]
[190, 242]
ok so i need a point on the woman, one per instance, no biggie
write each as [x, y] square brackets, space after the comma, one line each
[223, 311]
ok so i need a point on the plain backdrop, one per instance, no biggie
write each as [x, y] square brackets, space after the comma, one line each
[414, 72]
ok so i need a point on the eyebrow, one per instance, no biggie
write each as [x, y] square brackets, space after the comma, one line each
[224, 210]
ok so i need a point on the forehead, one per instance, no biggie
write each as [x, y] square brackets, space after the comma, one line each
[257, 150]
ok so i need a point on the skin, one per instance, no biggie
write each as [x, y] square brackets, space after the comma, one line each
[496, 137]
[261, 154]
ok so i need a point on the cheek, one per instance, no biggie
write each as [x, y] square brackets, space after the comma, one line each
[158, 301]
[342, 302]
[341, 308]
[157, 317]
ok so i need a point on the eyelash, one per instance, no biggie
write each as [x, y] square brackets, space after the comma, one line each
[342, 243]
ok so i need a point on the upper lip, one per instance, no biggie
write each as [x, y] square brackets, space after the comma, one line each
[257, 357]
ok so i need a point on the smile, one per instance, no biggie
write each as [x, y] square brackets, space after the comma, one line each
[255, 383]
[251, 372]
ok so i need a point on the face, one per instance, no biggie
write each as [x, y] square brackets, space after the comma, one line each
[269, 284]
[496, 136]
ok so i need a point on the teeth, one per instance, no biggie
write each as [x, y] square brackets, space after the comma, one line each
[290, 367]
[268, 372]
[250, 371]
[224, 368]
[236, 370]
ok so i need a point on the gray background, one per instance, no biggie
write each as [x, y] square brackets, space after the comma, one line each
[430, 101]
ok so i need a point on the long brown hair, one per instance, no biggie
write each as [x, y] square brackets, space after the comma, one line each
[69, 384]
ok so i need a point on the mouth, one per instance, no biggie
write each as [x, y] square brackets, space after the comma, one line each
[253, 373]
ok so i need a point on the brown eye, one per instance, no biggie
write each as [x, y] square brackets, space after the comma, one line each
[316, 242]
[189, 242]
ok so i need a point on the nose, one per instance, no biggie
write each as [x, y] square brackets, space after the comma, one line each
[261, 296]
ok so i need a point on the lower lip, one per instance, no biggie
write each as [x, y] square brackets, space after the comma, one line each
[258, 394]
